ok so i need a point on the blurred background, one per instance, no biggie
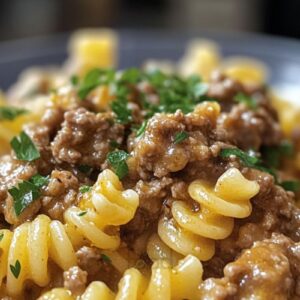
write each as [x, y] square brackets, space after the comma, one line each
[22, 18]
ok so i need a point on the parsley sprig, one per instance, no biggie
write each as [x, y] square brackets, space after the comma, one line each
[10, 112]
[117, 159]
[27, 192]
[249, 101]
[180, 136]
[24, 147]
[16, 269]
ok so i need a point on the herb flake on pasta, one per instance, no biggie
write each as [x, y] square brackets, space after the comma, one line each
[85, 188]
[180, 136]
[10, 112]
[16, 269]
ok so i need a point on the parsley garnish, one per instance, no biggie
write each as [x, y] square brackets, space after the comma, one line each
[117, 160]
[131, 75]
[82, 213]
[105, 258]
[24, 147]
[142, 129]
[27, 192]
[92, 79]
[1, 236]
[10, 113]
[74, 80]
[247, 100]
[180, 136]
[120, 108]
[84, 189]
[291, 185]
[16, 269]
[246, 159]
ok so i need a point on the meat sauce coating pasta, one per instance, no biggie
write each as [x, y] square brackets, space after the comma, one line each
[136, 184]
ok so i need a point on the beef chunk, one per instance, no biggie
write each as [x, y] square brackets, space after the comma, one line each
[85, 137]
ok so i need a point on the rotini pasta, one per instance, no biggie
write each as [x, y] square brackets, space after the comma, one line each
[180, 282]
[26, 250]
[194, 233]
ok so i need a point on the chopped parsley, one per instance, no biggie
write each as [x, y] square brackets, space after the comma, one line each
[142, 129]
[1, 236]
[94, 78]
[249, 160]
[120, 108]
[24, 147]
[27, 192]
[247, 100]
[105, 258]
[291, 185]
[117, 160]
[10, 113]
[16, 269]
[84, 189]
[74, 80]
[180, 136]
[82, 213]
[131, 75]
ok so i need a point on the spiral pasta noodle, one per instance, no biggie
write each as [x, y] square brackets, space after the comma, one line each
[189, 232]
[179, 282]
[27, 250]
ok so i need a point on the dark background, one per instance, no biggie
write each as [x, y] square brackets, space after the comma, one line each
[22, 18]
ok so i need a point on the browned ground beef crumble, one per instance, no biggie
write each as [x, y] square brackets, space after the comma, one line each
[261, 255]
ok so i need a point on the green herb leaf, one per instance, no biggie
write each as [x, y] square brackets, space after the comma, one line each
[131, 75]
[74, 80]
[246, 159]
[291, 185]
[84, 189]
[180, 136]
[105, 258]
[10, 113]
[24, 147]
[1, 236]
[247, 100]
[120, 108]
[82, 213]
[117, 160]
[142, 129]
[16, 269]
[94, 78]
[27, 192]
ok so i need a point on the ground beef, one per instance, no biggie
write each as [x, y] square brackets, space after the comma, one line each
[85, 137]
[274, 210]
[157, 153]
[269, 267]
[60, 193]
[12, 172]
[92, 261]
[151, 196]
[75, 280]
[249, 129]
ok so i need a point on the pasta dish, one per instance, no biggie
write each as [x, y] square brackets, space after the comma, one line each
[176, 180]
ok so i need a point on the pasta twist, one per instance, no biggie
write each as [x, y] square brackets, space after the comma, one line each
[25, 252]
[180, 282]
[189, 232]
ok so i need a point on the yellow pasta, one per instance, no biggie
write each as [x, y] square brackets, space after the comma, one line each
[93, 48]
[189, 232]
[177, 283]
[30, 246]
